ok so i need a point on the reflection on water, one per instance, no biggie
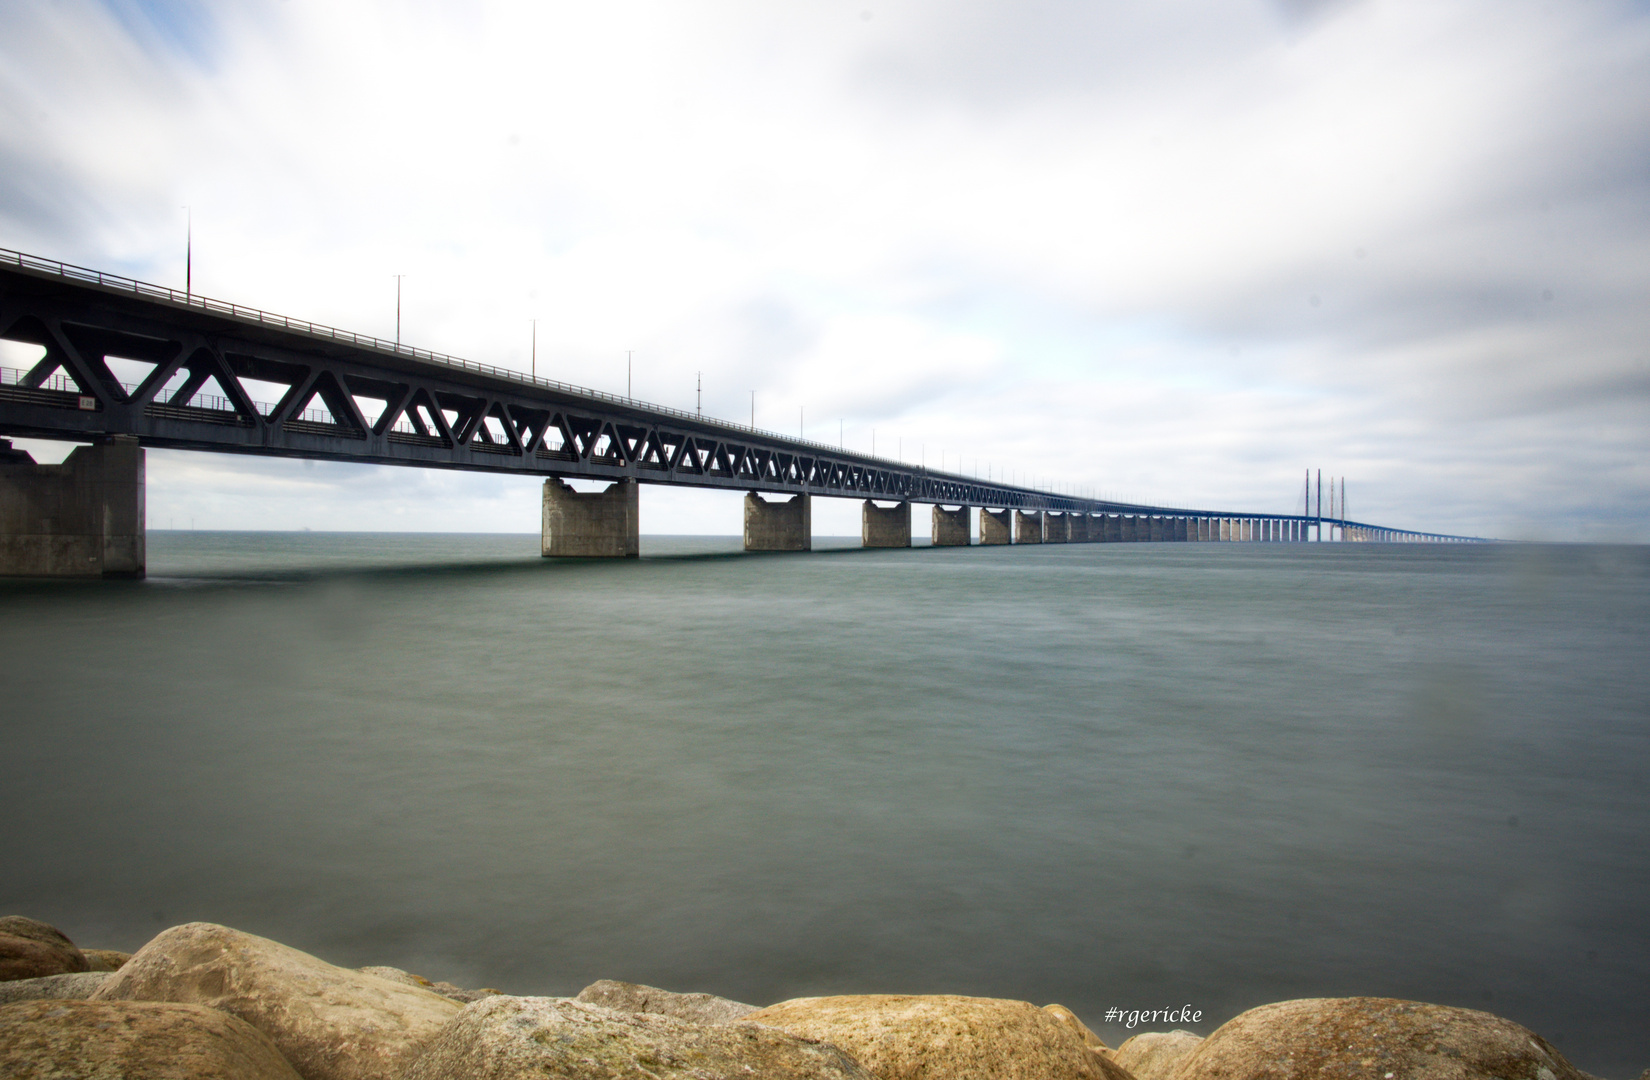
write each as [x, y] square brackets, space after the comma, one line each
[1132, 775]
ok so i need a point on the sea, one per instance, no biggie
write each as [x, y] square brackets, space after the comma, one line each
[1120, 777]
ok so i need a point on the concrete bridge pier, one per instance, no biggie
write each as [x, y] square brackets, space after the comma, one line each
[1028, 528]
[950, 527]
[1056, 527]
[785, 525]
[1082, 528]
[996, 526]
[1111, 528]
[885, 526]
[598, 524]
[83, 518]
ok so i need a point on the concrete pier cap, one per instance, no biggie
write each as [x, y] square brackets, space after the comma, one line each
[83, 518]
[597, 524]
[885, 526]
[785, 525]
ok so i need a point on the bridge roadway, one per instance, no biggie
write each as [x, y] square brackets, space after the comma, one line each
[343, 396]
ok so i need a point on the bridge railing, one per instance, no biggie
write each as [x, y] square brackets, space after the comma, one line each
[185, 298]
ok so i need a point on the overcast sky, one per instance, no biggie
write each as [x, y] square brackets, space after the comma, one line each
[1176, 251]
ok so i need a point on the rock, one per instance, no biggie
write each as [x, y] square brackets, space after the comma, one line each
[31, 958]
[133, 1040]
[31, 949]
[1069, 1018]
[634, 997]
[513, 1038]
[1155, 1055]
[900, 1037]
[33, 929]
[1335, 1038]
[105, 959]
[445, 989]
[75, 984]
[330, 1022]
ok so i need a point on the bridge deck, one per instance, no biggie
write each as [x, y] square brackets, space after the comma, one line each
[351, 397]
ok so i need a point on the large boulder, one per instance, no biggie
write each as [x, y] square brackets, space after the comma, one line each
[105, 959]
[1335, 1038]
[514, 1038]
[1155, 1055]
[445, 989]
[634, 997]
[133, 1040]
[24, 927]
[901, 1037]
[1069, 1018]
[74, 984]
[30, 949]
[330, 1022]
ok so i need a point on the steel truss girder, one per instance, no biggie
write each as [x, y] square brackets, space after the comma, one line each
[434, 415]
[455, 417]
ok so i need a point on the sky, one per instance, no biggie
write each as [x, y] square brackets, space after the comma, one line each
[1177, 252]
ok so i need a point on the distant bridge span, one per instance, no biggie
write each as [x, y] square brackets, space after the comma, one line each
[342, 396]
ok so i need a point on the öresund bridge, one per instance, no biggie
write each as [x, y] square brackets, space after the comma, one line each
[341, 396]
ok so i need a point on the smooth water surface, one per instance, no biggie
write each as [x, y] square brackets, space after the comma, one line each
[1106, 775]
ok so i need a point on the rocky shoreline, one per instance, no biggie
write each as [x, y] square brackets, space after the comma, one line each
[202, 1000]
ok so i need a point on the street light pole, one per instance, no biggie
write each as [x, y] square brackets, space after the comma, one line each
[398, 278]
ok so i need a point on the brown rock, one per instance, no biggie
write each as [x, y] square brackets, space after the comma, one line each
[1069, 1018]
[1155, 1055]
[634, 997]
[1364, 1038]
[31, 958]
[898, 1037]
[74, 984]
[445, 989]
[24, 927]
[105, 959]
[330, 1022]
[514, 1038]
[132, 1040]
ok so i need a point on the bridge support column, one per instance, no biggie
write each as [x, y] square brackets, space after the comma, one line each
[996, 526]
[83, 518]
[951, 526]
[1155, 527]
[885, 526]
[1111, 528]
[598, 524]
[786, 525]
[1056, 527]
[1082, 528]
[1028, 528]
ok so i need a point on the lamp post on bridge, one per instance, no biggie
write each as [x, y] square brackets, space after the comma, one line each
[398, 278]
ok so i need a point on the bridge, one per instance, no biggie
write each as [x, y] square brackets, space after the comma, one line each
[222, 377]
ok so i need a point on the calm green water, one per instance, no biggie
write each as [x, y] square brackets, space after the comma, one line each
[1130, 775]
